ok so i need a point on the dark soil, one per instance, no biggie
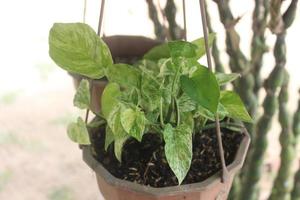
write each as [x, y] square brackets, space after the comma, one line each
[145, 162]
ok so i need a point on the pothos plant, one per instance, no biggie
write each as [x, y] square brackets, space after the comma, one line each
[167, 92]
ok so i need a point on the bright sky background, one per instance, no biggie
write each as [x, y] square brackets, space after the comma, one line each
[25, 26]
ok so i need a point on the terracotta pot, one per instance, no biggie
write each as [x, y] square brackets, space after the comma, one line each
[124, 49]
[113, 188]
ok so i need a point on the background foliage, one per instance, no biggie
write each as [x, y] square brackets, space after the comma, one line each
[276, 16]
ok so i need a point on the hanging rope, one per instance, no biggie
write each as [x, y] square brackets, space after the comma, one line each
[101, 17]
[98, 33]
[84, 10]
[208, 56]
[184, 20]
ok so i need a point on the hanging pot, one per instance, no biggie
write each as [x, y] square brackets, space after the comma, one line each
[124, 49]
[212, 188]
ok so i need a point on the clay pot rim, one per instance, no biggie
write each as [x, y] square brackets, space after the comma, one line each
[171, 190]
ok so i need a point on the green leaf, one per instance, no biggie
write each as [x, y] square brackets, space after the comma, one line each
[152, 117]
[200, 43]
[78, 132]
[222, 112]
[166, 90]
[76, 48]
[158, 52]
[226, 78]
[125, 75]
[118, 146]
[234, 106]
[109, 137]
[203, 88]
[182, 49]
[82, 98]
[134, 96]
[186, 104]
[189, 66]
[187, 119]
[204, 113]
[148, 66]
[109, 99]
[163, 51]
[166, 67]
[178, 149]
[133, 122]
[119, 134]
[150, 92]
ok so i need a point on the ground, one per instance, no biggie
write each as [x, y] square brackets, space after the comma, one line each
[38, 161]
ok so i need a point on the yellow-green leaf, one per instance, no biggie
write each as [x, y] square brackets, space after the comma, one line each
[82, 97]
[158, 52]
[182, 49]
[109, 99]
[163, 50]
[78, 132]
[119, 134]
[76, 48]
[186, 104]
[226, 78]
[200, 43]
[109, 137]
[125, 75]
[178, 149]
[133, 122]
[234, 106]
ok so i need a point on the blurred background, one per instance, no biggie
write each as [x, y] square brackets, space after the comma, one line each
[37, 160]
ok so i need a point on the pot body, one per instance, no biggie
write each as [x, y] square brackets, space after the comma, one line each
[218, 191]
[113, 188]
[212, 188]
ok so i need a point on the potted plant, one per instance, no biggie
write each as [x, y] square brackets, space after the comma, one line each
[154, 137]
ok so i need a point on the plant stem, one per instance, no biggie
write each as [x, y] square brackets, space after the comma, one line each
[235, 189]
[273, 82]
[238, 62]
[87, 116]
[215, 51]
[276, 22]
[295, 194]
[270, 104]
[170, 12]
[284, 181]
[258, 45]
[161, 117]
[153, 15]
[296, 122]
[177, 111]
[91, 94]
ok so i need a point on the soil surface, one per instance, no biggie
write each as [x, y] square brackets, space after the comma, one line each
[145, 162]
